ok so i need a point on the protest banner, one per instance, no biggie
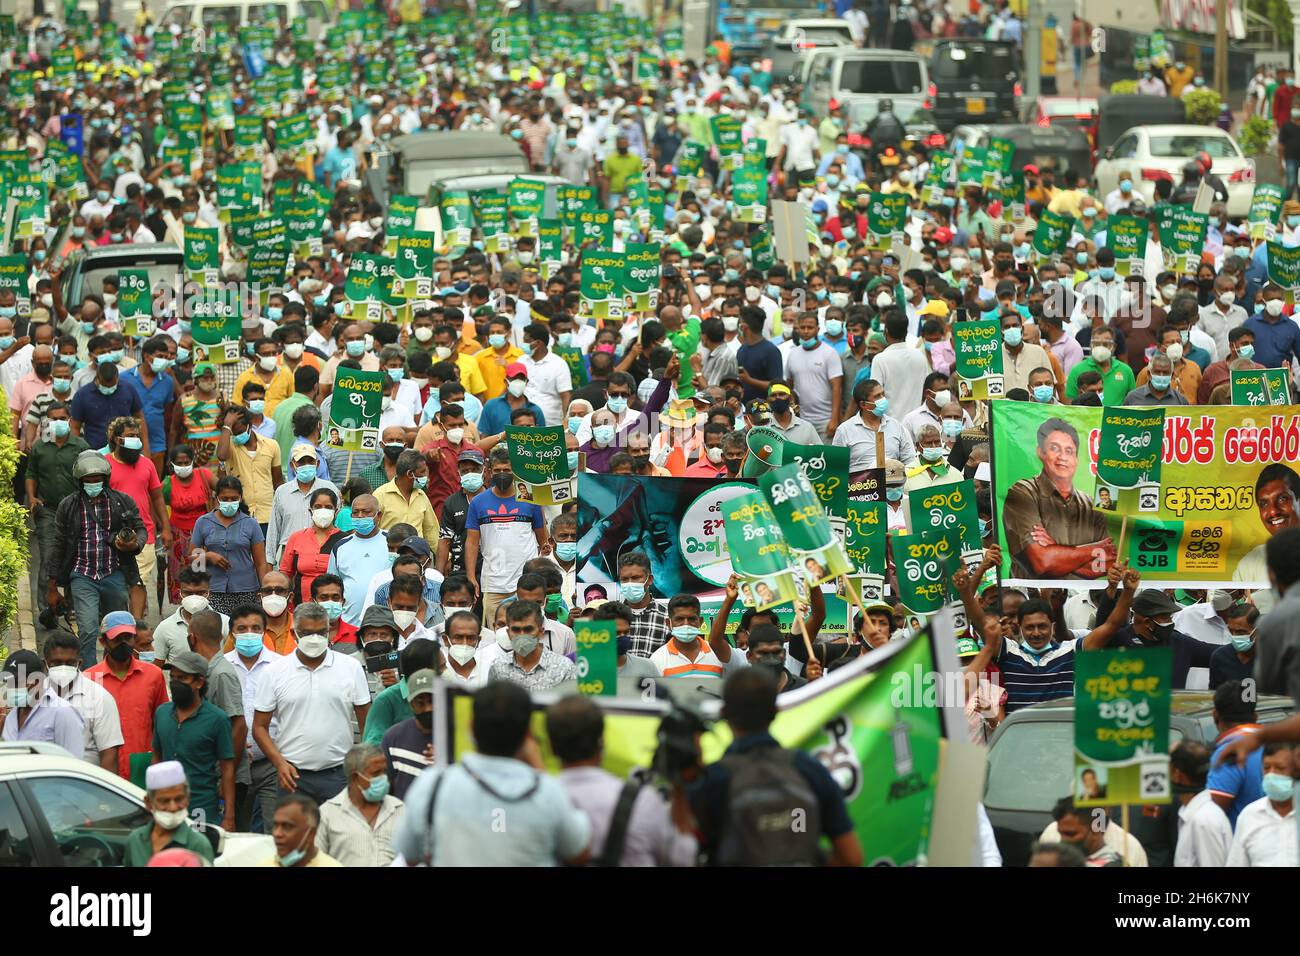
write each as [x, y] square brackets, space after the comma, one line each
[1182, 237]
[726, 131]
[886, 216]
[1127, 238]
[364, 288]
[971, 167]
[978, 349]
[1284, 269]
[355, 405]
[814, 547]
[946, 508]
[540, 464]
[1261, 386]
[827, 468]
[215, 323]
[937, 178]
[1220, 466]
[597, 662]
[401, 219]
[202, 255]
[1051, 234]
[602, 283]
[550, 246]
[415, 254]
[759, 553]
[998, 160]
[457, 219]
[749, 194]
[1129, 452]
[924, 562]
[1013, 198]
[1265, 211]
[1121, 726]
[135, 303]
[491, 209]
[524, 202]
[873, 724]
[594, 228]
[640, 275]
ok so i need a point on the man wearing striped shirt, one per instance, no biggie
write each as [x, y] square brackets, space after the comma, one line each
[686, 654]
[1038, 668]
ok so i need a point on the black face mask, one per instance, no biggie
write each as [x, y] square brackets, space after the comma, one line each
[780, 406]
[1161, 633]
[392, 451]
[733, 465]
[425, 720]
[129, 456]
[120, 652]
[734, 396]
[183, 695]
[502, 482]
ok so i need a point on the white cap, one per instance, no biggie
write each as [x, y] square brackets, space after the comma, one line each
[160, 776]
[983, 472]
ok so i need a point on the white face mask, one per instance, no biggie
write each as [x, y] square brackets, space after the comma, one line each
[184, 471]
[194, 603]
[884, 300]
[1273, 306]
[503, 640]
[404, 619]
[293, 350]
[1227, 298]
[169, 819]
[714, 455]
[267, 363]
[442, 352]
[322, 517]
[753, 293]
[313, 645]
[731, 322]
[462, 654]
[1168, 292]
[275, 604]
[703, 291]
[63, 675]
[454, 435]
[942, 398]
[1175, 353]
[423, 333]
[958, 263]
[839, 299]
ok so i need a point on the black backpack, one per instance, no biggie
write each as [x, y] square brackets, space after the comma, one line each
[771, 817]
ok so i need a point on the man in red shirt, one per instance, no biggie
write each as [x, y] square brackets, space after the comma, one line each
[710, 463]
[138, 689]
[444, 472]
[134, 475]
[1282, 98]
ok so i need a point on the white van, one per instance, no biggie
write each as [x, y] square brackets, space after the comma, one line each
[193, 14]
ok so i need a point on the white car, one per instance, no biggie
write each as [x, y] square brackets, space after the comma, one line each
[56, 810]
[1150, 153]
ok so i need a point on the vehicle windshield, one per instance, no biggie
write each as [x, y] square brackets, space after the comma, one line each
[1187, 145]
[899, 77]
[1032, 765]
[824, 37]
[974, 62]
[1055, 108]
[162, 269]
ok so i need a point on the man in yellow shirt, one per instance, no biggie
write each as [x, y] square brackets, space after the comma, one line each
[268, 370]
[619, 166]
[1178, 76]
[403, 499]
[252, 458]
[496, 358]
[444, 350]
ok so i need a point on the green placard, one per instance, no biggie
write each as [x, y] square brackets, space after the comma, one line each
[1052, 234]
[538, 455]
[640, 275]
[998, 159]
[827, 468]
[815, 549]
[947, 509]
[524, 202]
[1265, 210]
[595, 227]
[1121, 726]
[937, 178]
[1262, 386]
[1182, 237]
[215, 323]
[572, 200]
[415, 255]
[575, 360]
[135, 303]
[972, 169]
[886, 217]
[13, 275]
[1012, 192]
[1153, 545]
[293, 134]
[1131, 446]
[1127, 238]
[749, 194]
[978, 348]
[493, 218]
[865, 530]
[242, 220]
[726, 131]
[602, 283]
[202, 250]
[1284, 269]
[550, 241]
[597, 657]
[759, 554]
[924, 562]
[355, 406]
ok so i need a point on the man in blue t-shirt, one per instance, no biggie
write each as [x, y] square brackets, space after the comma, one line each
[758, 359]
[1231, 786]
[101, 401]
[507, 533]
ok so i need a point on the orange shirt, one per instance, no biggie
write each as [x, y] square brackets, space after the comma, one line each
[138, 695]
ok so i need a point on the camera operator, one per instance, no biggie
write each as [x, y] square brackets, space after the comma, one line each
[631, 823]
[764, 805]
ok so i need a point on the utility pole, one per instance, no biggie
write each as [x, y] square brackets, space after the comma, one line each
[1033, 47]
[1221, 49]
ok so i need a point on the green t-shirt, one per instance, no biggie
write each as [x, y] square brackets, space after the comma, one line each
[389, 707]
[619, 167]
[139, 846]
[199, 743]
[1115, 384]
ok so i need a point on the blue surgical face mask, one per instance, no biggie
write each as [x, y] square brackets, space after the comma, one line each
[257, 406]
[364, 526]
[1293, 221]
[575, 423]
[880, 407]
[93, 489]
[228, 509]
[573, 461]
[617, 405]
[1160, 382]
[1106, 272]
[305, 473]
[473, 482]
[334, 609]
[633, 592]
[834, 327]
[952, 427]
[603, 434]
[1278, 787]
[396, 374]
[107, 389]
[356, 348]
[566, 550]
[182, 355]
[159, 365]
[1012, 336]
[810, 345]
[1043, 393]
[274, 312]
[894, 494]
[1081, 258]
[985, 527]
[497, 341]
[1246, 351]
[249, 645]
[242, 439]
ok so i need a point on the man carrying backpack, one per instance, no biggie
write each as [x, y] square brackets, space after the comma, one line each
[764, 805]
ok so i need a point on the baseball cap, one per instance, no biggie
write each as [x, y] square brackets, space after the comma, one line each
[516, 369]
[417, 546]
[421, 682]
[757, 406]
[895, 473]
[24, 662]
[117, 622]
[470, 454]
[204, 368]
[303, 452]
[1153, 602]
[936, 307]
[188, 662]
[1030, 169]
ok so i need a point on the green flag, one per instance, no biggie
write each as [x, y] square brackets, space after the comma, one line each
[1052, 234]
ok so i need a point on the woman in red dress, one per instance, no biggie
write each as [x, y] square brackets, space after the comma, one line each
[188, 493]
[302, 559]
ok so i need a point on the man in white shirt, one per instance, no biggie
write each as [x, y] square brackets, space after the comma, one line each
[550, 382]
[314, 693]
[1222, 315]
[799, 148]
[1204, 833]
[900, 370]
[1205, 621]
[250, 660]
[97, 706]
[1266, 829]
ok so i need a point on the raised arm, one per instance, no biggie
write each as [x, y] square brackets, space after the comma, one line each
[1102, 634]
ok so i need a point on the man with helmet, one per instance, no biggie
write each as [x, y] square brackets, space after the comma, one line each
[97, 534]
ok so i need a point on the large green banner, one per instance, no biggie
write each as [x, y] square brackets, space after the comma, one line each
[1121, 726]
[867, 723]
[355, 406]
[1129, 450]
[1223, 469]
[759, 553]
[1284, 269]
